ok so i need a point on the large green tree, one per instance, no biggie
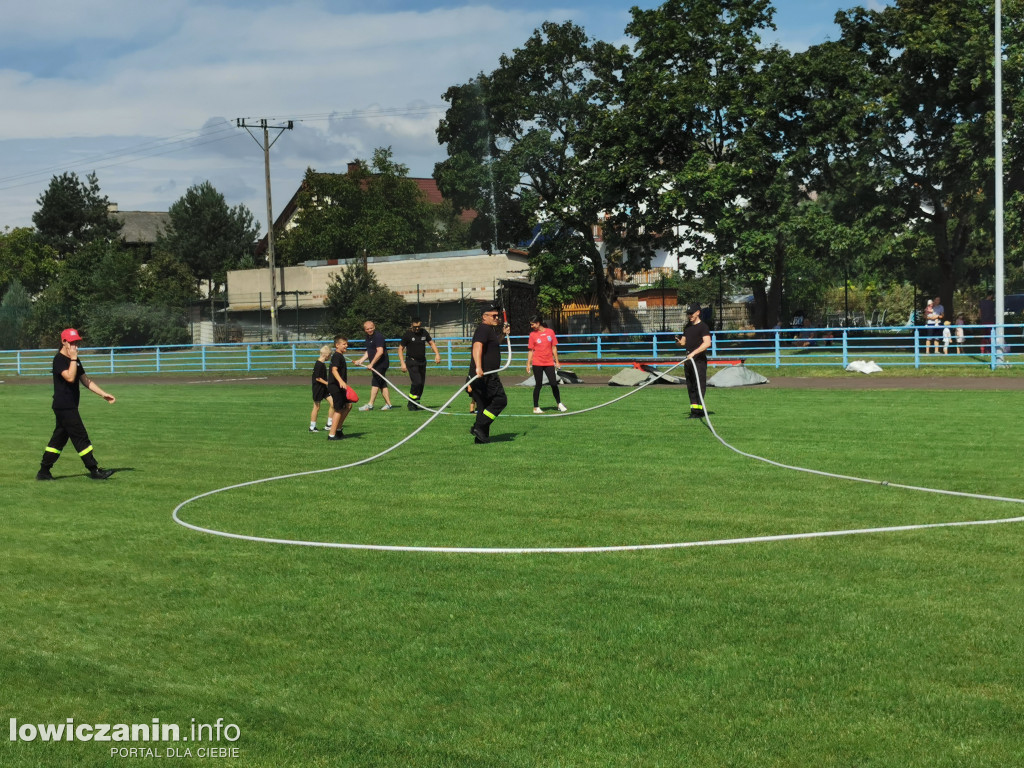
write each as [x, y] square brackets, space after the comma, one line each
[354, 296]
[921, 143]
[207, 235]
[536, 142]
[375, 209]
[105, 291]
[714, 114]
[23, 258]
[73, 213]
[167, 281]
[15, 310]
[560, 272]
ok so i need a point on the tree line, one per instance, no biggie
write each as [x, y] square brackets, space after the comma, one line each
[73, 268]
[868, 158]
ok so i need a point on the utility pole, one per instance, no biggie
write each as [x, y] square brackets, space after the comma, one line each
[266, 145]
[1000, 346]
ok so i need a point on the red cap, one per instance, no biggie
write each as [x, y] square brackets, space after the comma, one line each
[70, 334]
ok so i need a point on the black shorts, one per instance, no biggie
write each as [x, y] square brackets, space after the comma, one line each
[319, 392]
[338, 396]
[377, 379]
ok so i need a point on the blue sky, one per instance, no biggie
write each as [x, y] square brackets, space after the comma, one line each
[146, 94]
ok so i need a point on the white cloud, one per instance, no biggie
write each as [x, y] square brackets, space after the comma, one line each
[161, 70]
[57, 24]
[239, 62]
[95, 84]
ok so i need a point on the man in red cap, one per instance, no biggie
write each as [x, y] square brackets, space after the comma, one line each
[68, 373]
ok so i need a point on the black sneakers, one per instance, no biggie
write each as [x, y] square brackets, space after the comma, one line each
[338, 436]
[95, 473]
[480, 434]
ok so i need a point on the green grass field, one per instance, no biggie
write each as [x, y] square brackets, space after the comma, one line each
[896, 649]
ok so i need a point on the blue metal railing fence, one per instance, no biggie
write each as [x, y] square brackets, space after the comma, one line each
[900, 346]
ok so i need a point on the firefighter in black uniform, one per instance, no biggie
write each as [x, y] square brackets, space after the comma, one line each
[412, 354]
[68, 373]
[697, 340]
[487, 391]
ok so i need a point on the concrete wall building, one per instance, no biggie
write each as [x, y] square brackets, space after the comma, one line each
[442, 288]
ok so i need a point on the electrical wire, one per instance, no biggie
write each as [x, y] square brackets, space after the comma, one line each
[208, 134]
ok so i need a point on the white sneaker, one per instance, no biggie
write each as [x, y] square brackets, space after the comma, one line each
[537, 410]
[385, 407]
[562, 408]
[313, 429]
[366, 407]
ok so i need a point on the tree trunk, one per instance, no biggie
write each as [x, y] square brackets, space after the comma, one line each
[604, 288]
[949, 261]
[760, 310]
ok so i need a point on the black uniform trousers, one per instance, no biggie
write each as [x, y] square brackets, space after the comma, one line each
[69, 427]
[695, 381]
[417, 377]
[490, 398]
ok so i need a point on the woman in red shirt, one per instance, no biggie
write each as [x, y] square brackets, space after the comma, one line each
[542, 358]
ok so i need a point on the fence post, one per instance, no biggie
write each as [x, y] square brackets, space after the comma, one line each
[845, 350]
[714, 345]
[599, 352]
[654, 345]
[917, 348]
[248, 358]
[992, 348]
[449, 354]
[778, 350]
[18, 359]
[111, 359]
[202, 349]
[294, 361]
[158, 359]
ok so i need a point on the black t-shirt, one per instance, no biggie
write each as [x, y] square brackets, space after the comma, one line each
[66, 394]
[373, 343]
[320, 372]
[693, 336]
[491, 358]
[338, 361]
[416, 344]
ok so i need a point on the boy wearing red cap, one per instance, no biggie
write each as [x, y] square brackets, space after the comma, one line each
[68, 373]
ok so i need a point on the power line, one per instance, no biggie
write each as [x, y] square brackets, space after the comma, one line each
[267, 144]
[194, 139]
[145, 147]
[359, 114]
[116, 158]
